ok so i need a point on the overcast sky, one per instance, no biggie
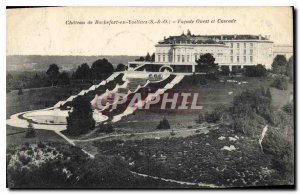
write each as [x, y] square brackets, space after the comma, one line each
[43, 31]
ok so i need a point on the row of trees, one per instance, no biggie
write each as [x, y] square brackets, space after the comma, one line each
[148, 57]
[100, 69]
[206, 63]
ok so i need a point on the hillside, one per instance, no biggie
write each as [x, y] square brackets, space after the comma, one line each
[42, 62]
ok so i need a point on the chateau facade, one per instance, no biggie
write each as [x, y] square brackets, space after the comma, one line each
[179, 53]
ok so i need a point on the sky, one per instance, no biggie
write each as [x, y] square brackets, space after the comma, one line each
[43, 31]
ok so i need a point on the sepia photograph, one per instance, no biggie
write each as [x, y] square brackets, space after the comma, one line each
[150, 97]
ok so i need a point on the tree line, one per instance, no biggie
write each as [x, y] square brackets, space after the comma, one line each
[99, 70]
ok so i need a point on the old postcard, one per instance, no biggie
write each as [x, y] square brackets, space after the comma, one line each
[150, 97]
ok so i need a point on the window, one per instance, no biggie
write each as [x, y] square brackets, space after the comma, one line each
[245, 44]
[182, 58]
[251, 51]
[231, 45]
[158, 58]
[231, 59]
[244, 59]
[251, 45]
[196, 57]
[237, 59]
[188, 58]
[251, 59]
[244, 51]
[238, 45]
[178, 58]
[231, 51]
[163, 58]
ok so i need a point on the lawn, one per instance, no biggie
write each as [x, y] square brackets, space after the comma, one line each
[213, 94]
[16, 136]
[33, 99]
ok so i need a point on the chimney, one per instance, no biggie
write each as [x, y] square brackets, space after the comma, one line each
[221, 37]
[259, 37]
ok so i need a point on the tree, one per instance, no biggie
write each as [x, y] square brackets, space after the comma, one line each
[101, 69]
[164, 124]
[279, 64]
[53, 73]
[148, 57]
[206, 63]
[290, 68]
[64, 79]
[83, 72]
[153, 57]
[121, 67]
[80, 120]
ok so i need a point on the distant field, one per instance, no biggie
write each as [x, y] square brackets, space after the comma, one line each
[41, 63]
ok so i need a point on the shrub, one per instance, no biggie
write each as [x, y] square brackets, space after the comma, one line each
[288, 108]
[255, 71]
[225, 70]
[30, 133]
[164, 124]
[105, 128]
[20, 92]
[250, 110]
[280, 82]
[201, 118]
[215, 116]
[172, 133]
[281, 152]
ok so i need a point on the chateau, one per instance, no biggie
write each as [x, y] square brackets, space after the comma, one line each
[179, 53]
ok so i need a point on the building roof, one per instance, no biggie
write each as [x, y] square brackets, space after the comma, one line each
[208, 39]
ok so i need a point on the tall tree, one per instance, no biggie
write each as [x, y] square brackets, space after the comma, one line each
[80, 120]
[148, 57]
[101, 68]
[206, 63]
[279, 64]
[153, 57]
[83, 72]
[53, 73]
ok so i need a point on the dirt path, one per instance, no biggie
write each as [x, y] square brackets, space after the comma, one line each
[150, 135]
[175, 181]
